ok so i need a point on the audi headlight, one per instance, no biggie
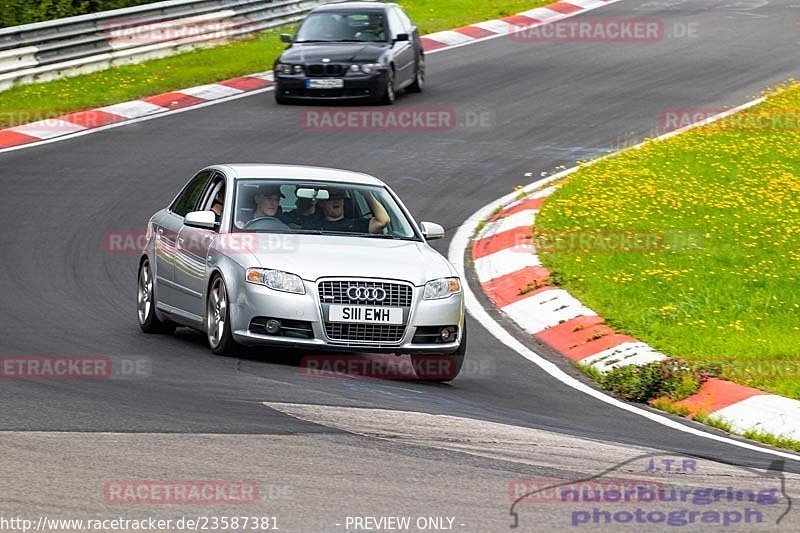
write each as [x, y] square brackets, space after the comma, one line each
[276, 279]
[441, 288]
[369, 68]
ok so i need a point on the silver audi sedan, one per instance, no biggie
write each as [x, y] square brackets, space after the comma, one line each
[300, 257]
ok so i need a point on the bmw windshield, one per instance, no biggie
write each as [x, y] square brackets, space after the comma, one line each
[337, 27]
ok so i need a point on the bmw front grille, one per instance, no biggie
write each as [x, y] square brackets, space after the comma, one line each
[325, 70]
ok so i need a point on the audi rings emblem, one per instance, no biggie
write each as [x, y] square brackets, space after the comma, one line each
[367, 294]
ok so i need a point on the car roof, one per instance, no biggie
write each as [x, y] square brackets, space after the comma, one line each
[349, 5]
[296, 172]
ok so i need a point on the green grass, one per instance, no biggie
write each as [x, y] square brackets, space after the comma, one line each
[714, 422]
[730, 300]
[772, 440]
[25, 103]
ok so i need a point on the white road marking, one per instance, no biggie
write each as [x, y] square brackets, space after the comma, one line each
[520, 219]
[546, 309]
[46, 129]
[133, 109]
[627, 353]
[212, 91]
[503, 262]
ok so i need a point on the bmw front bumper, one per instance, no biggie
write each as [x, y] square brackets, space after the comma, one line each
[356, 86]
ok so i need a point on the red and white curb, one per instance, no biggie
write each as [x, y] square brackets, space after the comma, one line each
[512, 277]
[83, 122]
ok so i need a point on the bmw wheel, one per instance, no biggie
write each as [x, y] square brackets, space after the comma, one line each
[146, 303]
[419, 79]
[218, 325]
[389, 94]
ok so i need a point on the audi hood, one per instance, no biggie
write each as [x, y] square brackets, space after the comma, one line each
[318, 256]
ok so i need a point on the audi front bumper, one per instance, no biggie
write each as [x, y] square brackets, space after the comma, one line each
[304, 323]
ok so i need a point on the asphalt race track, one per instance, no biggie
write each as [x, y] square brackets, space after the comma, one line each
[543, 105]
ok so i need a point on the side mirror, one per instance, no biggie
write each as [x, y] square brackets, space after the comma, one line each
[402, 37]
[286, 38]
[432, 231]
[201, 219]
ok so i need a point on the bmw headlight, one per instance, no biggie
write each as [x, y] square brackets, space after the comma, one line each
[441, 288]
[297, 69]
[282, 68]
[369, 68]
[276, 279]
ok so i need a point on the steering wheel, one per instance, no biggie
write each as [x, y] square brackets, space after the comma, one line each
[265, 223]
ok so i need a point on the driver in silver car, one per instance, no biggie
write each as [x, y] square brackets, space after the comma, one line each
[268, 201]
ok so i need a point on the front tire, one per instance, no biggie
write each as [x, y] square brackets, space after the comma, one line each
[146, 303]
[389, 94]
[419, 78]
[441, 368]
[218, 324]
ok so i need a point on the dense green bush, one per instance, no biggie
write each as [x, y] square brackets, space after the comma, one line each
[671, 378]
[15, 12]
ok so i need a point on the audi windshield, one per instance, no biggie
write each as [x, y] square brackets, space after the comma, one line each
[323, 208]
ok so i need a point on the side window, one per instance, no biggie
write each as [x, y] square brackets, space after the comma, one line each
[404, 20]
[395, 25]
[187, 199]
[213, 194]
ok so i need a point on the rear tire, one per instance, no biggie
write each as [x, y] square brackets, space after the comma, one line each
[218, 324]
[146, 303]
[441, 368]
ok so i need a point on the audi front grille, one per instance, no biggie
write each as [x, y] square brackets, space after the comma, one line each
[336, 292]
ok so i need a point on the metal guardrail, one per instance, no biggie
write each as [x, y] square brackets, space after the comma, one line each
[88, 43]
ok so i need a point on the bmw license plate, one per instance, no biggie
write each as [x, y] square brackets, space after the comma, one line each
[325, 83]
[365, 314]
